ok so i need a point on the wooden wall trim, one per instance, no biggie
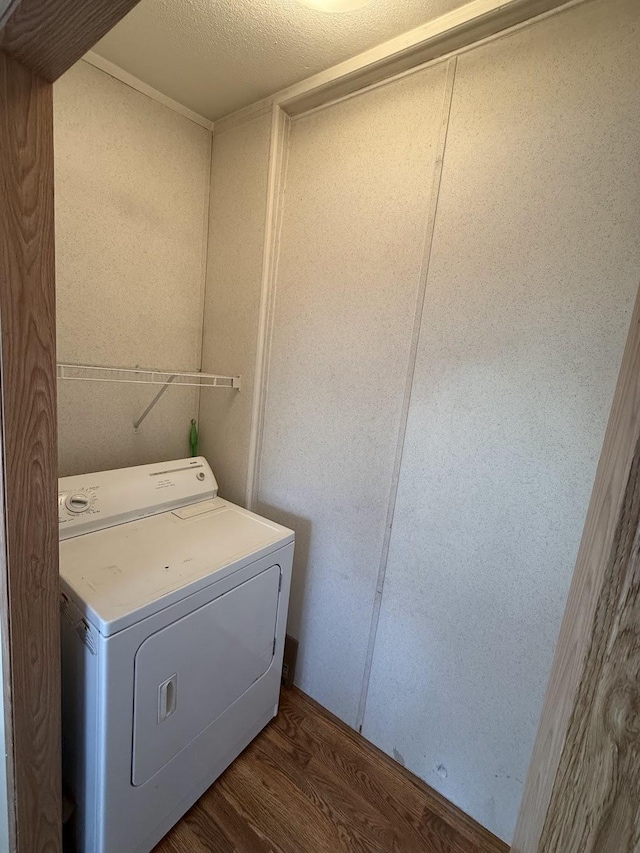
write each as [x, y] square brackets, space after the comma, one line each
[593, 618]
[49, 36]
[28, 419]
[595, 804]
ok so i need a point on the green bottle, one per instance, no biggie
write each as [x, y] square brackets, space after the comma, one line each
[193, 438]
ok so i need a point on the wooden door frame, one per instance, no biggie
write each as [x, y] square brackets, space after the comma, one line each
[39, 41]
[28, 417]
[602, 560]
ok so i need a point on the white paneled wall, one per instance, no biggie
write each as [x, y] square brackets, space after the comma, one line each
[132, 189]
[239, 173]
[534, 270]
[532, 275]
[358, 187]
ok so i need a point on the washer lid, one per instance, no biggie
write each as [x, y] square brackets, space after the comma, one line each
[122, 574]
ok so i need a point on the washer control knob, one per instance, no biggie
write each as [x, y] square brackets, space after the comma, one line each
[200, 475]
[78, 502]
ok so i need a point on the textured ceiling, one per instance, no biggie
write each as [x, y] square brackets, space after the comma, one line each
[216, 56]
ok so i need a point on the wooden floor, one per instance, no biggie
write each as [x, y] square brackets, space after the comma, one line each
[308, 784]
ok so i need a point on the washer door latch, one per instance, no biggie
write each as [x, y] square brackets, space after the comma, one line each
[167, 698]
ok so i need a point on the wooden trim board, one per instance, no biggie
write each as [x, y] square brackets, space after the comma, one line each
[595, 803]
[28, 416]
[588, 626]
[49, 36]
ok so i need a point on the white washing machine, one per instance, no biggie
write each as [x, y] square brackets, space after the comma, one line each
[174, 606]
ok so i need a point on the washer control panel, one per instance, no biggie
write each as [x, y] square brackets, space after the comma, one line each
[79, 502]
[90, 502]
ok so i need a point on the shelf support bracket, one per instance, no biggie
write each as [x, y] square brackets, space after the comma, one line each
[153, 403]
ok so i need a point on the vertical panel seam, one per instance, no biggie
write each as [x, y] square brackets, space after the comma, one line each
[205, 264]
[447, 101]
[276, 185]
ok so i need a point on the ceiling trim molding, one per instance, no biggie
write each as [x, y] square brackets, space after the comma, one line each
[123, 76]
[455, 31]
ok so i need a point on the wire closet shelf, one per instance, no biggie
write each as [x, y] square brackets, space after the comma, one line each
[139, 376]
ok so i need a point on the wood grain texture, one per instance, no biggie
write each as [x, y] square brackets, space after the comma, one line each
[599, 545]
[28, 412]
[595, 805]
[49, 36]
[310, 784]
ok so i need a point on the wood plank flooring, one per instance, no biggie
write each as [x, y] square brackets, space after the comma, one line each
[309, 784]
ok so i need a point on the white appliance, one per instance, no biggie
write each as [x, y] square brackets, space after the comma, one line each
[173, 612]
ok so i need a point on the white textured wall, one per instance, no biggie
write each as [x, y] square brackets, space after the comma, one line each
[239, 170]
[535, 267]
[531, 281]
[358, 189]
[132, 185]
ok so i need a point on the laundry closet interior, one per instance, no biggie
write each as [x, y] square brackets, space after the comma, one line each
[397, 310]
